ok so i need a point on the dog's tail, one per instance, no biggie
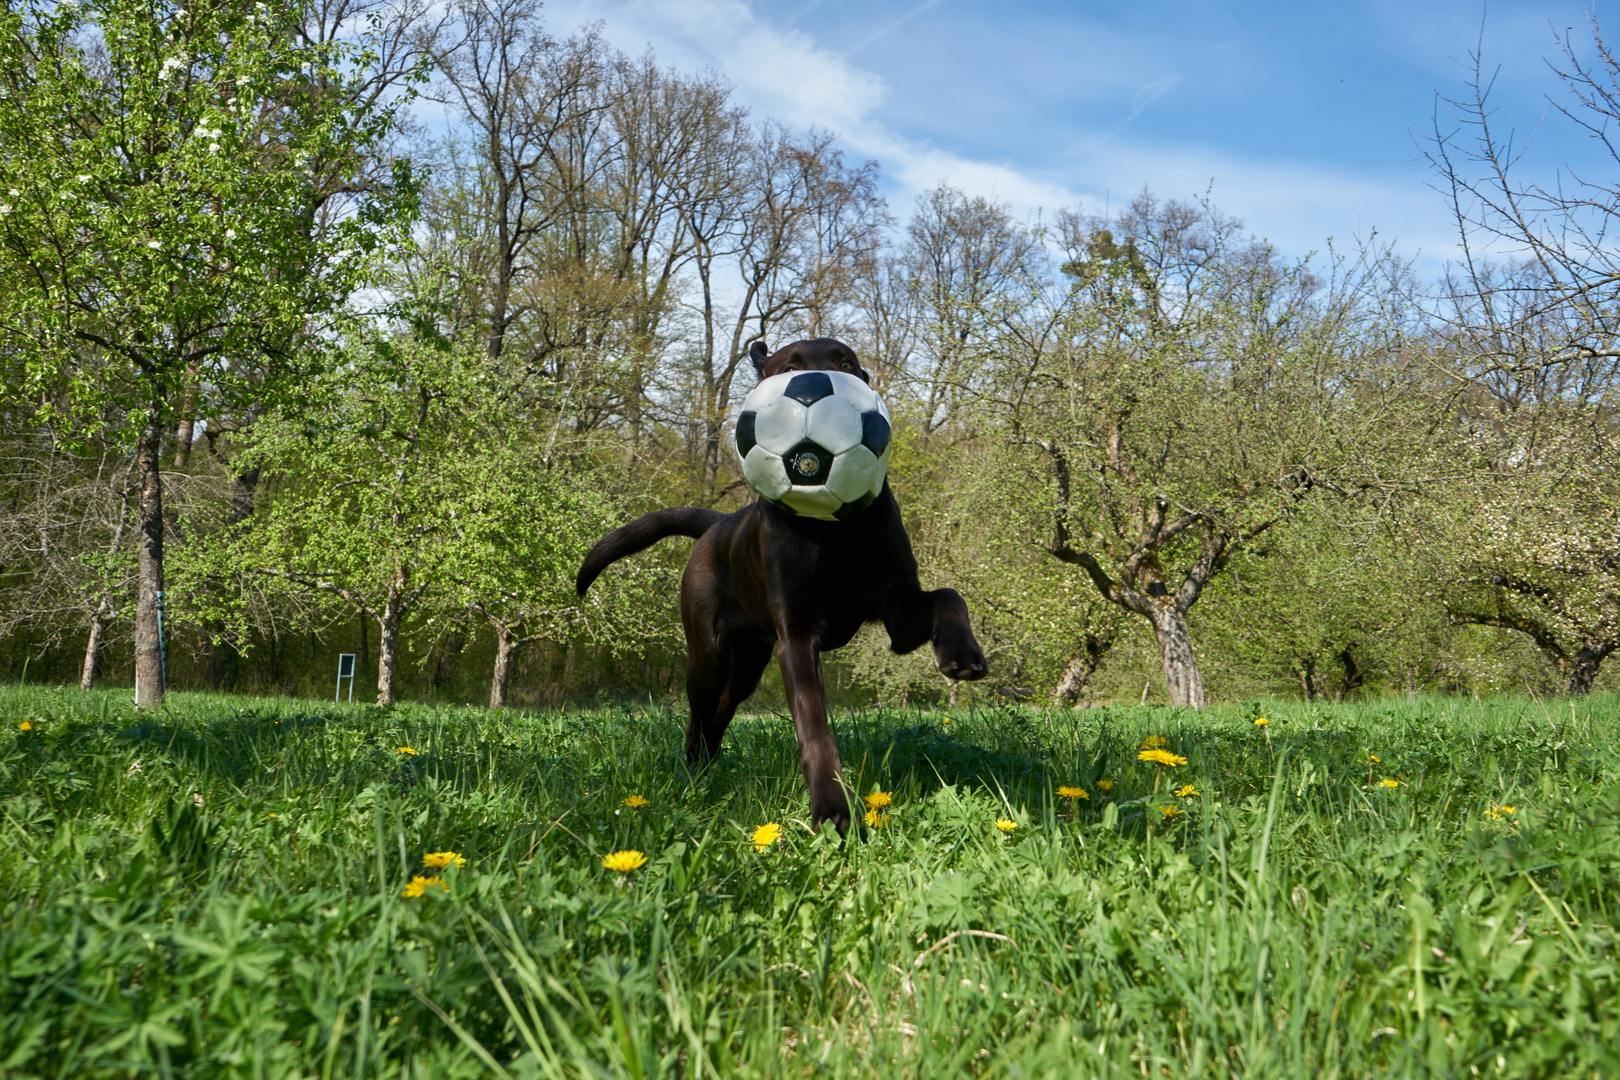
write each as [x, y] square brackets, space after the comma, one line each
[640, 534]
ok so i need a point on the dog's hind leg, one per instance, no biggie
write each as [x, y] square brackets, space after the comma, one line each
[940, 616]
[716, 687]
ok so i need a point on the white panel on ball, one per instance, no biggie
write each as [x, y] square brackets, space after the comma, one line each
[858, 394]
[855, 475]
[835, 423]
[765, 472]
[779, 425]
[815, 502]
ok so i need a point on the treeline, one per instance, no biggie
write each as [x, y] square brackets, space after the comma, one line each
[347, 327]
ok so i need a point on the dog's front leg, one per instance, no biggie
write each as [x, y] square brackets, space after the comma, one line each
[818, 750]
[941, 617]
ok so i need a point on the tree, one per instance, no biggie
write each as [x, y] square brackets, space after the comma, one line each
[522, 94]
[1182, 397]
[162, 166]
[1556, 304]
[775, 248]
[1049, 629]
[63, 543]
[1533, 321]
[1534, 546]
[522, 529]
[967, 267]
[366, 495]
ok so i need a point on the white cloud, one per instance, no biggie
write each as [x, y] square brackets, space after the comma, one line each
[780, 72]
[784, 72]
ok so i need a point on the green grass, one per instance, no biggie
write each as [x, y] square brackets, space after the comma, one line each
[217, 891]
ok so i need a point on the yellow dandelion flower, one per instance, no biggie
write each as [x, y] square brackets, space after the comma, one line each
[1161, 757]
[1105, 786]
[25, 726]
[420, 885]
[879, 799]
[1373, 758]
[407, 751]
[1006, 824]
[1496, 813]
[766, 835]
[1153, 742]
[1170, 811]
[624, 861]
[635, 802]
[876, 820]
[1064, 791]
[1187, 791]
[272, 814]
[1262, 722]
[440, 859]
[1387, 782]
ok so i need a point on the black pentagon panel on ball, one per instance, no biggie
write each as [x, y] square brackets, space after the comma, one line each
[745, 432]
[808, 464]
[874, 432]
[809, 388]
[849, 510]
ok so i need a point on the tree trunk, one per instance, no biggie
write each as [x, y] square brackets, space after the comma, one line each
[1307, 678]
[1088, 657]
[92, 652]
[186, 432]
[394, 610]
[1584, 671]
[365, 644]
[244, 491]
[504, 648]
[1181, 675]
[183, 438]
[149, 680]
[1352, 673]
[387, 651]
[1073, 682]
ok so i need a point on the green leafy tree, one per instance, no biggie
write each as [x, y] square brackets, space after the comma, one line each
[416, 493]
[165, 220]
[526, 521]
[364, 501]
[1534, 546]
[1048, 628]
[1533, 328]
[1183, 395]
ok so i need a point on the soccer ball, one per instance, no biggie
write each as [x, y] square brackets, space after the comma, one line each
[814, 443]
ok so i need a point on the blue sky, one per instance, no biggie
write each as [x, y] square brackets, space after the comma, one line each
[1303, 119]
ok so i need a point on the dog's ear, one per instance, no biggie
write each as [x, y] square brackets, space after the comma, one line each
[758, 354]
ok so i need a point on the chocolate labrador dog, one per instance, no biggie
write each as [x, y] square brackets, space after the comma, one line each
[763, 579]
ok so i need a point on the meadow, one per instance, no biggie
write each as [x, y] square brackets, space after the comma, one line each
[237, 887]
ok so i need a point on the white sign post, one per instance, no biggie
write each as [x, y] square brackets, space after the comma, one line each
[345, 671]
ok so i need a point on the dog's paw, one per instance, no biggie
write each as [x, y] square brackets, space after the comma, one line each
[830, 804]
[960, 659]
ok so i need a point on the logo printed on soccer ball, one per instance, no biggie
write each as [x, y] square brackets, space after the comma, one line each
[814, 443]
